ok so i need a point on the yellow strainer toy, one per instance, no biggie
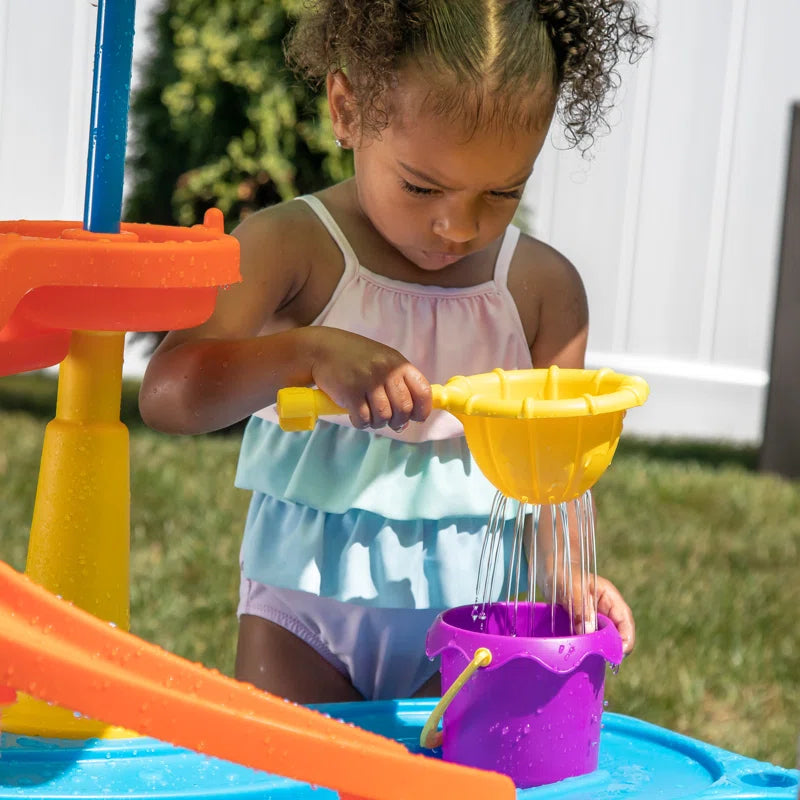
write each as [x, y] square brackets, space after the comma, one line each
[538, 435]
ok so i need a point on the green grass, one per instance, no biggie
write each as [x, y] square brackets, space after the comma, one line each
[704, 549]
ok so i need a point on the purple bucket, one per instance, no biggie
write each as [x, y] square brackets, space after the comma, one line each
[534, 712]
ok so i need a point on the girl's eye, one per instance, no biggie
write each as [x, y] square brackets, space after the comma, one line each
[515, 194]
[412, 188]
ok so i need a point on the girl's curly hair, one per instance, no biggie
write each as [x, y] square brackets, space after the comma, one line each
[484, 58]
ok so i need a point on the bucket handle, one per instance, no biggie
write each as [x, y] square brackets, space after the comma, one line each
[430, 736]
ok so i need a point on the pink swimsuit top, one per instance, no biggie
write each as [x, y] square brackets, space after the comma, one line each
[442, 331]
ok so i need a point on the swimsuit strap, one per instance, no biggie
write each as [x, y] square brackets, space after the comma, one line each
[326, 218]
[507, 248]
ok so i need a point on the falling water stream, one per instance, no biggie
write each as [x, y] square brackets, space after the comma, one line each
[544, 535]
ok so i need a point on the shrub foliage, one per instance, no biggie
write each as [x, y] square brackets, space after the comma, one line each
[219, 120]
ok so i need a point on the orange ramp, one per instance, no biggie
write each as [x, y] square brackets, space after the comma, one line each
[61, 654]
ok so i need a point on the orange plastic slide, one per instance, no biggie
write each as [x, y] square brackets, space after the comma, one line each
[61, 654]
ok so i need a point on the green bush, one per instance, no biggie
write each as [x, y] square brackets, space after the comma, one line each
[219, 120]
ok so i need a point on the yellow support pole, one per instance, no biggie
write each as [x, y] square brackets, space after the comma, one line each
[79, 544]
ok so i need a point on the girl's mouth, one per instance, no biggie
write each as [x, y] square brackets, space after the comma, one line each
[443, 259]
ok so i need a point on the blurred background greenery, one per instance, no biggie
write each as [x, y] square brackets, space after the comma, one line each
[219, 120]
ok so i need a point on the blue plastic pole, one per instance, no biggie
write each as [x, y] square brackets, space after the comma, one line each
[105, 164]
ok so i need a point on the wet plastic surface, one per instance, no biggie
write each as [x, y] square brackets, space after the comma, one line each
[637, 760]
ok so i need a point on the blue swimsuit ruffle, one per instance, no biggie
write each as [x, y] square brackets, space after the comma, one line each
[382, 522]
[360, 469]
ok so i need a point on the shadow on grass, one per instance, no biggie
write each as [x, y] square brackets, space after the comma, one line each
[35, 393]
[711, 454]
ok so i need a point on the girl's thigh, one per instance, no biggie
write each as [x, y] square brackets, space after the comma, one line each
[275, 660]
[431, 688]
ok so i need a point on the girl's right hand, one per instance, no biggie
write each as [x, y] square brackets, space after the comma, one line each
[377, 385]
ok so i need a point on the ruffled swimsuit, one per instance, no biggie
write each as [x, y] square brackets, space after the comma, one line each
[379, 519]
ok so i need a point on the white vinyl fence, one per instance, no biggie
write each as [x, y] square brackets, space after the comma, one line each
[675, 225]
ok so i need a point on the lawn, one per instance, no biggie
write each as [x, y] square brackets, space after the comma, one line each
[704, 548]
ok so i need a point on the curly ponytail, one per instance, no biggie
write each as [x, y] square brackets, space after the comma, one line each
[588, 37]
[485, 59]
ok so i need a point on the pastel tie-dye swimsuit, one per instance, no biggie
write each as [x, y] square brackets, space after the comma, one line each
[363, 524]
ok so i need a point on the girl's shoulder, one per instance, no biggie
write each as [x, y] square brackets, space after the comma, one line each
[543, 268]
[545, 286]
[539, 272]
[289, 229]
[287, 246]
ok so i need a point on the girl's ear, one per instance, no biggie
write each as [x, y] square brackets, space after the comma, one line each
[341, 104]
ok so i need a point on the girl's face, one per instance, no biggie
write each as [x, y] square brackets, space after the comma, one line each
[434, 191]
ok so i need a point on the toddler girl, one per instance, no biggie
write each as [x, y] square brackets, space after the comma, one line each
[361, 530]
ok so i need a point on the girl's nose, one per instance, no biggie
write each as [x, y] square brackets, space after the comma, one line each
[457, 224]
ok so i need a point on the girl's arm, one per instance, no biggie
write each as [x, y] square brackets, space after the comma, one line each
[211, 376]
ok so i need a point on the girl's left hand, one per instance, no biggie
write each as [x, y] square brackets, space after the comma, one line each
[611, 604]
